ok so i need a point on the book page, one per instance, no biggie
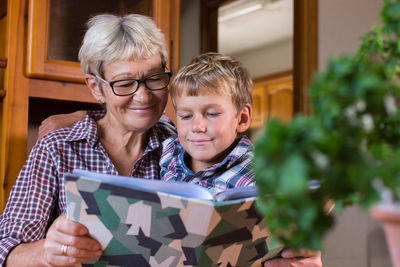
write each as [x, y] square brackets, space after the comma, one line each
[236, 193]
[176, 188]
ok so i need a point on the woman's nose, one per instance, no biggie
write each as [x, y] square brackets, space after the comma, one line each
[142, 95]
[198, 124]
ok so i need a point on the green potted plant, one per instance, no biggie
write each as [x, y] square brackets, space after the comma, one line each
[349, 148]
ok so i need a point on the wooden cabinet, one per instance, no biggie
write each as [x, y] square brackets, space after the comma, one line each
[272, 98]
[39, 70]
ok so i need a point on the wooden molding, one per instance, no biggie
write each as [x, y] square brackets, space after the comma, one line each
[209, 25]
[14, 120]
[3, 8]
[273, 76]
[3, 63]
[167, 17]
[38, 65]
[305, 52]
[2, 94]
[60, 91]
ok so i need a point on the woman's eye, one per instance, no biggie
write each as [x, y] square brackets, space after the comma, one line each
[155, 79]
[125, 84]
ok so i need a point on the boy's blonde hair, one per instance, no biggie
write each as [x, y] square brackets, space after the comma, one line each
[214, 73]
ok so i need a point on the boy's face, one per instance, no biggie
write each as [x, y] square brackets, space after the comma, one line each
[207, 127]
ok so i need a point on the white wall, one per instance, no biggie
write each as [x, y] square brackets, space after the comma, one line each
[190, 30]
[341, 24]
[269, 59]
[357, 240]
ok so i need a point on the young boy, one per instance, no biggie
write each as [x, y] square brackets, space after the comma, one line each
[212, 99]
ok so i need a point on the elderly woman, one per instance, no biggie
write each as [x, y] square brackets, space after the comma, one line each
[124, 64]
[123, 60]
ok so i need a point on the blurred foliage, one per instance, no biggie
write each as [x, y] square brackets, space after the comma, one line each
[349, 146]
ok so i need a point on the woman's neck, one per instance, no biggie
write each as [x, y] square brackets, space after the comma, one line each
[124, 147]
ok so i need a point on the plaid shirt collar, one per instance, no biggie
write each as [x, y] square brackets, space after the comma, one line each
[86, 129]
[241, 149]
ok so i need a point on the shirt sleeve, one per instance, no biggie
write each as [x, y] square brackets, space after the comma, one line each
[31, 202]
[167, 158]
[167, 128]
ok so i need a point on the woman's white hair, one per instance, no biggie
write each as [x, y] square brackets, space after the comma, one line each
[111, 38]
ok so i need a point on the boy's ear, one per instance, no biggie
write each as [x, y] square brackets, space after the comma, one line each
[94, 88]
[244, 118]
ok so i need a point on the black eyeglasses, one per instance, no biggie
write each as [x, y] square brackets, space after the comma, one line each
[130, 86]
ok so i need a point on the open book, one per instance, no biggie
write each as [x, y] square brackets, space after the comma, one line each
[143, 222]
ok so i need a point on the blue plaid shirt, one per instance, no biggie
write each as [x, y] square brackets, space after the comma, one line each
[234, 171]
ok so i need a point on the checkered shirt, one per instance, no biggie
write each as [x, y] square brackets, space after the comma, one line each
[234, 171]
[38, 196]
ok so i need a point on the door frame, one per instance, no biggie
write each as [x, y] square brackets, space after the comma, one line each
[305, 43]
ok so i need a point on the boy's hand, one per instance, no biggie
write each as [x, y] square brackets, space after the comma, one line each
[55, 122]
[291, 258]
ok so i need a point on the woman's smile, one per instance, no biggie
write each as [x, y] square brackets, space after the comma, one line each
[145, 109]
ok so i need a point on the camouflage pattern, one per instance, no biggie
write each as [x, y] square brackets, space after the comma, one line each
[138, 228]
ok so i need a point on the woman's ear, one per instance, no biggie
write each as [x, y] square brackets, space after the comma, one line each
[244, 117]
[94, 88]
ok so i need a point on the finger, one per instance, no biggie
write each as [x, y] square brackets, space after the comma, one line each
[47, 126]
[43, 129]
[79, 242]
[63, 225]
[64, 231]
[291, 253]
[67, 260]
[295, 262]
[84, 242]
[278, 263]
[76, 252]
[57, 256]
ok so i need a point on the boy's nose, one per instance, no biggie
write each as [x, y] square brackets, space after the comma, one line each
[198, 125]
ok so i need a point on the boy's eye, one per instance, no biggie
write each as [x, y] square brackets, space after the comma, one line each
[213, 114]
[185, 116]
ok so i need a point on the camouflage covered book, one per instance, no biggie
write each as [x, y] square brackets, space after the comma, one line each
[154, 223]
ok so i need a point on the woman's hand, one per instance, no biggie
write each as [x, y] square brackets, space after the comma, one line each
[78, 246]
[291, 258]
[49, 252]
[55, 122]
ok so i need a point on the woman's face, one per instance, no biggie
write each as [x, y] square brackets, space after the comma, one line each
[141, 110]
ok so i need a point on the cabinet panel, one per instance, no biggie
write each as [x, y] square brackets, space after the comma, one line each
[65, 32]
[272, 98]
[280, 100]
[56, 29]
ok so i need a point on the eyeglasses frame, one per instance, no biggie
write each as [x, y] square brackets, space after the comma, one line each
[111, 84]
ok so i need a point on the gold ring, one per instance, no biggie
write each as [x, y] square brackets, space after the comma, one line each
[64, 250]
